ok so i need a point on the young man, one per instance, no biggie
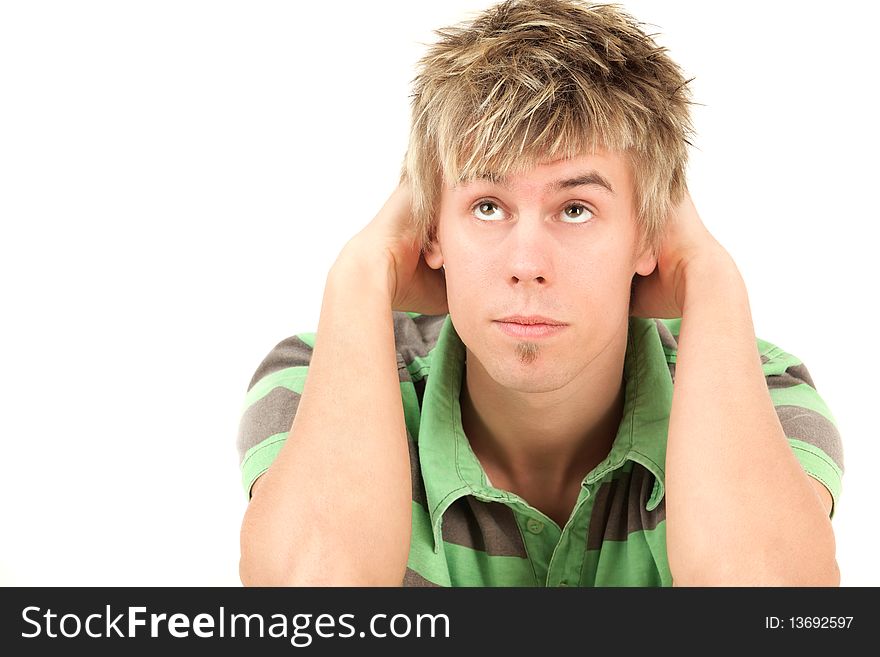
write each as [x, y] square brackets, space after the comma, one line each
[535, 366]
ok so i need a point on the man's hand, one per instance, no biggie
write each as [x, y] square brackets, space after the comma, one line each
[662, 293]
[389, 242]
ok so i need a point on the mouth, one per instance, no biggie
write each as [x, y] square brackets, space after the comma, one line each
[518, 329]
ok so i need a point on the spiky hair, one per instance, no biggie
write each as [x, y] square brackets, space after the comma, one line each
[533, 80]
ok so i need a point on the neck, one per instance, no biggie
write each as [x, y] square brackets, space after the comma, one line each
[547, 440]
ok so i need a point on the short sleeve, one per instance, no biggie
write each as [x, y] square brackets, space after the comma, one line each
[807, 421]
[276, 387]
[270, 405]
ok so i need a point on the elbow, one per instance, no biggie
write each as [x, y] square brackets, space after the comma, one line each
[831, 577]
[258, 574]
[249, 575]
[261, 566]
[828, 576]
[799, 575]
[266, 564]
[264, 572]
[255, 569]
[260, 561]
[254, 573]
[806, 560]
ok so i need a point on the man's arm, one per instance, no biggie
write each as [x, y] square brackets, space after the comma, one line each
[741, 510]
[740, 507]
[335, 506]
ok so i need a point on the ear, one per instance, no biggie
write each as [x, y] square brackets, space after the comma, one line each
[433, 255]
[646, 263]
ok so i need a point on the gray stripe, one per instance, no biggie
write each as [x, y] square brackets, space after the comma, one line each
[403, 374]
[290, 352]
[619, 508]
[800, 371]
[486, 526]
[416, 336]
[793, 376]
[267, 416]
[430, 326]
[669, 342]
[274, 414]
[666, 337]
[418, 484]
[813, 428]
[412, 578]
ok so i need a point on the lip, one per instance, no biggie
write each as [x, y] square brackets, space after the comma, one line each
[534, 330]
[531, 319]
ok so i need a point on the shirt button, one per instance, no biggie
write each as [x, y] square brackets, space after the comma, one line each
[534, 526]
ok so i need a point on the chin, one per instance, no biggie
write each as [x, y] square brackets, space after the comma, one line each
[523, 369]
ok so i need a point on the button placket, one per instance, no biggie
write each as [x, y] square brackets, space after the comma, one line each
[559, 570]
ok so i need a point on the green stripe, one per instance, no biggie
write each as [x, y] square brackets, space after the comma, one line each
[632, 562]
[476, 568]
[674, 326]
[804, 396]
[258, 459]
[779, 359]
[419, 367]
[818, 465]
[292, 378]
[308, 338]
[411, 411]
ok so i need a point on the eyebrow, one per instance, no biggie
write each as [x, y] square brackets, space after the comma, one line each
[586, 179]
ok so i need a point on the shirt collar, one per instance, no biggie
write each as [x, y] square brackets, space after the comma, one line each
[450, 469]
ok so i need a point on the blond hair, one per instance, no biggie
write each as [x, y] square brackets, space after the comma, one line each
[533, 80]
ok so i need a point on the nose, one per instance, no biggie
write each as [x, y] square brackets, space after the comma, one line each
[526, 277]
[529, 251]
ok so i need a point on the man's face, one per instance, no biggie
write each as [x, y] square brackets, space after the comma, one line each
[552, 242]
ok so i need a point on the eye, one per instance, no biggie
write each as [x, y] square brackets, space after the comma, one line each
[486, 209]
[582, 212]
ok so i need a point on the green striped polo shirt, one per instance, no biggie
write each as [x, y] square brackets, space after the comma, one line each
[466, 532]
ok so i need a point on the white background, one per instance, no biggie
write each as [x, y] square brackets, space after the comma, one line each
[176, 178]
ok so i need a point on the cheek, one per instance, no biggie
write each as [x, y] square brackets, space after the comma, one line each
[586, 270]
[465, 284]
[596, 283]
[470, 296]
